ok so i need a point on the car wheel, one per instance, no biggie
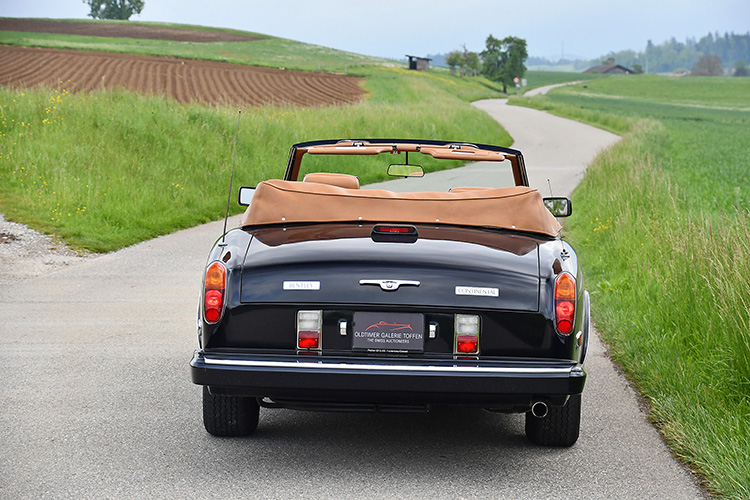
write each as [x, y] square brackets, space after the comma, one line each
[559, 427]
[229, 415]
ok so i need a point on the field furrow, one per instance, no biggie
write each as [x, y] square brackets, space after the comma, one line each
[185, 81]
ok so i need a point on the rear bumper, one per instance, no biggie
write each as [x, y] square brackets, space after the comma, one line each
[499, 384]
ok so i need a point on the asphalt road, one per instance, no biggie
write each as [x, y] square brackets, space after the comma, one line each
[97, 402]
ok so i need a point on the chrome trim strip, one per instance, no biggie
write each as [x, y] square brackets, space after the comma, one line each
[390, 285]
[571, 371]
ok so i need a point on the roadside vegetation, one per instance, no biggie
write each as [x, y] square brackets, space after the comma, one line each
[662, 224]
[108, 169]
[536, 79]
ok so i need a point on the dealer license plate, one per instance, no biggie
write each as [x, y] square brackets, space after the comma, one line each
[388, 332]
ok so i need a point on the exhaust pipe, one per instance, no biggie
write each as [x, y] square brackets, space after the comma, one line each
[539, 409]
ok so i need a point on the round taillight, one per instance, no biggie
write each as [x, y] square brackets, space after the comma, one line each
[565, 327]
[565, 309]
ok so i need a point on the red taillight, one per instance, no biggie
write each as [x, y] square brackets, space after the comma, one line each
[467, 344]
[392, 229]
[467, 334]
[308, 340]
[309, 326]
[565, 307]
[213, 292]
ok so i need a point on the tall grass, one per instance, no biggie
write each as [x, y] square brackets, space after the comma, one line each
[108, 169]
[611, 122]
[662, 227]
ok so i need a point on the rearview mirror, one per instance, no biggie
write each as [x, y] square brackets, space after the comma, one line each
[405, 170]
[246, 196]
[559, 206]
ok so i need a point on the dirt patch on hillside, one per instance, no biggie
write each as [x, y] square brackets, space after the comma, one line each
[185, 80]
[124, 29]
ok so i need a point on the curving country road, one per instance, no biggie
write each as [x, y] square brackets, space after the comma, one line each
[97, 400]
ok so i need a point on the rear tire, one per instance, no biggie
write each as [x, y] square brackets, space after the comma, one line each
[560, 427]
[231, 416]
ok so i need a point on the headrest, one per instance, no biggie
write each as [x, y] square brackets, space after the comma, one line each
[341, 180]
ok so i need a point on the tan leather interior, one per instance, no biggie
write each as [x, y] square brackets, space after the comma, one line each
[341, 180]
[282, 202]
[467, 189]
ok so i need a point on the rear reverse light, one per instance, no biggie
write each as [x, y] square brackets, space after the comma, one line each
[213, 292]
[309, 325]
[565, 303]
[467, 334]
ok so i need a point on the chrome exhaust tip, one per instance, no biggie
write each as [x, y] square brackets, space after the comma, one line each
[539, 409]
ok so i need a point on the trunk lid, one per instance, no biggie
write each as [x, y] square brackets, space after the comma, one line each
[341, 264]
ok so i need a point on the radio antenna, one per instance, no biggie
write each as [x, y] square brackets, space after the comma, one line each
[231, 179]
[550, 187]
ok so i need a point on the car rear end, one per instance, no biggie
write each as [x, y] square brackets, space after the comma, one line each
[388, 317]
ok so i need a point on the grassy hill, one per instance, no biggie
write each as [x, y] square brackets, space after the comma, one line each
[70, 164]
[662, 225]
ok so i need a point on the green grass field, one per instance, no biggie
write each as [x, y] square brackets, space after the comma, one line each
[109, 169]
[661, 225]
[541, 78]
[71, 163]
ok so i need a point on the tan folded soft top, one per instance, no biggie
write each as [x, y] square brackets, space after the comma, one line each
[282, 202]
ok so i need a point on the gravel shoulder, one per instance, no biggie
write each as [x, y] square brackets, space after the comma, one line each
[26, 253]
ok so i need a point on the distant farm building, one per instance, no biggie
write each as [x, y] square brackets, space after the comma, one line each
[610, 69]
[419, 63]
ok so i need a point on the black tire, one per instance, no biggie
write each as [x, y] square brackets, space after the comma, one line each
[560, 427]
[230, 416]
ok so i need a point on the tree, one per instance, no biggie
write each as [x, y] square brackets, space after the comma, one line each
[114, 9]
[503, 60]
[637, 69]
[740, 68]
[708, 65]
[468, 62]
[471, 62]
[453, 59]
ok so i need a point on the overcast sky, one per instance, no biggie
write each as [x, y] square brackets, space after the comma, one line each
[391, 28]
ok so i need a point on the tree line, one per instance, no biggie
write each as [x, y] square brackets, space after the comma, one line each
[729, 50]
[713, 53]
[501, 61]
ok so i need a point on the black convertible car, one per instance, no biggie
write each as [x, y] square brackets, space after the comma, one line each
[333, 297]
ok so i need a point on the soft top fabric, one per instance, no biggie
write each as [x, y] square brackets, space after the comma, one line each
[340, 180]
[282, 202]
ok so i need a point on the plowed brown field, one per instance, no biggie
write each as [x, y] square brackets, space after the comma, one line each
[185, 80]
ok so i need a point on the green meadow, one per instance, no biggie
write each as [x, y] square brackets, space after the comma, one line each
[662, 226]
[108, 169]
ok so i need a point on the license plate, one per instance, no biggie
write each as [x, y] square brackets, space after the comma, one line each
[388, 332]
